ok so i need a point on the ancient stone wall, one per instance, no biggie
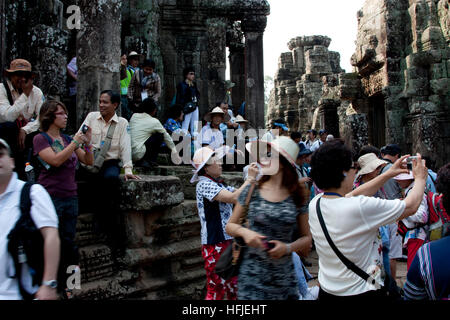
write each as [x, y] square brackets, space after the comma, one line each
[163, 251]
[305, 92]
[402, 60]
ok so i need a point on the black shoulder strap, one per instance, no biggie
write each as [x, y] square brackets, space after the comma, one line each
[344, 260]
[25, 200]
[8, 92]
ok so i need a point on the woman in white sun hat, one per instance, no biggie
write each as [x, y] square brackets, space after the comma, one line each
[414, 227]
[267, 270]
[215, 204]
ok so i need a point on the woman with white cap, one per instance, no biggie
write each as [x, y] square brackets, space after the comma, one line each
[267, 270]
[215, 203]
[415, 225]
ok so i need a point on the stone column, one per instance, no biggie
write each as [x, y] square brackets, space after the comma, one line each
[329, 119]
[2, 34]
[253, 28]
[98, 53]
[235, 43]
[216, 32]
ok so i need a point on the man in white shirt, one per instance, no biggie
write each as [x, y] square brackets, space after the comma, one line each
[323, 138]
[312, 137]
[20, 103]
[43, 215]
[107, 181]
[147, 135]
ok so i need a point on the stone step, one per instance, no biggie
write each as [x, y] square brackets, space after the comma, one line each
[95, 262]
[107, 288]
[145, 256]
[86, 234]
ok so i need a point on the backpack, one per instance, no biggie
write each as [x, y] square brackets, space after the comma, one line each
[439, 220]
[26, 245]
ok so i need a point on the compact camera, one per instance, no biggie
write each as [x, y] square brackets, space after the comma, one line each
[84, 128]
[409, 161]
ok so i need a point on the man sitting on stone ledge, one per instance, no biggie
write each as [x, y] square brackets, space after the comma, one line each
[147, 136]
[111, 141]
[20, 102]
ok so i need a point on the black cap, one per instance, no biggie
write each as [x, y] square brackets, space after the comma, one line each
[321, 132]
[391, 149]
[314, 132]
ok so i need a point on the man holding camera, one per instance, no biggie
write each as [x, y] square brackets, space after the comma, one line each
[20, 102]
[112, 150]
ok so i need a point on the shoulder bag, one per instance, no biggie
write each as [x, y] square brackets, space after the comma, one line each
[230, 260]
[389, 289]
[100, 154]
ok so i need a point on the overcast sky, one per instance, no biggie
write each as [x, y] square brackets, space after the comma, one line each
[292, 18]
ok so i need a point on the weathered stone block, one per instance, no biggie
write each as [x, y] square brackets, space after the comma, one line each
[440, 86]
[150, 192]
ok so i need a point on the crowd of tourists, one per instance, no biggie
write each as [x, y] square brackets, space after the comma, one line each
[360, 213]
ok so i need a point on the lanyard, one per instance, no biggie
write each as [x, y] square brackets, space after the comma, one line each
[332, 194]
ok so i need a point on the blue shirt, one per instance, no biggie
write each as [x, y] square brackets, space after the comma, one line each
[430, 184]
[429, 274]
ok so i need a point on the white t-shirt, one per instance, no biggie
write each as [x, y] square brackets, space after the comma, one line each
[316, 145]
[353, 226]
[212, 137]
[43, 214]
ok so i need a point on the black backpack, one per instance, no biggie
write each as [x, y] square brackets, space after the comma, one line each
[26, 244]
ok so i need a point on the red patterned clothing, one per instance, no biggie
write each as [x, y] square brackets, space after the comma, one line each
[216, 287]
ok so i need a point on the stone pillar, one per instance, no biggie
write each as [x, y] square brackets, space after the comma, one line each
[2, 35]
[235, 43]
[329, 119]
[253, 28]
[216, 31]
[98, 53]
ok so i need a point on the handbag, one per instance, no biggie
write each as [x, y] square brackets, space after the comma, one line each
[230, 260]
[189, 107]
[389, 289]
[100, 154]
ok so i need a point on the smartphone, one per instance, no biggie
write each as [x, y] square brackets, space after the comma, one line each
[268, 245]
[84, 128]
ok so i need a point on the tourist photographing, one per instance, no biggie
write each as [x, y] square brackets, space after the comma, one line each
[60, 155]
[267, 270]
[215, 204]
[351, 219]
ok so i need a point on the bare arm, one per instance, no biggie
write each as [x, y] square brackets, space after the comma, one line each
[371, 187]
[57, 159]
[303, 244]
[51, 262]
[231, 197]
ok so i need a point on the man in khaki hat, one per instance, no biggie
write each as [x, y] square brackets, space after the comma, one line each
[20, 103]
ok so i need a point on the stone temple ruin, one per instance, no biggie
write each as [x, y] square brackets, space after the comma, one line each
[398, 91]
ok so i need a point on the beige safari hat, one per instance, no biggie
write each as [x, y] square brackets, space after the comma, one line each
[240, 119]
[19, 65]
[217, 110]
[369, 163]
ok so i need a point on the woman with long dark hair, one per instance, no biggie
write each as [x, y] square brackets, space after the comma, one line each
[267, 270]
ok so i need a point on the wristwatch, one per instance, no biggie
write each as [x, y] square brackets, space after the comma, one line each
[51, 283]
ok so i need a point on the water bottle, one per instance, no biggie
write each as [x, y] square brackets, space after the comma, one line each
[29, 171]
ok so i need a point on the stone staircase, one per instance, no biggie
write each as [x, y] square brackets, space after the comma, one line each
[163, 256]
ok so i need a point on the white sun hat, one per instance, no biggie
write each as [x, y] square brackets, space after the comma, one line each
[404, 176]
[283, 145]
[217, 110]
[205, 154]
[240, 119]
[369, 163]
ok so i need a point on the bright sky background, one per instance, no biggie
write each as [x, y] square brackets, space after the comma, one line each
[292, 18]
